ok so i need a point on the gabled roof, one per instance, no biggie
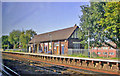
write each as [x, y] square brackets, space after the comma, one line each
[54, 35]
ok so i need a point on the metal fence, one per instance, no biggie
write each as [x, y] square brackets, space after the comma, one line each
[84, 52]
[93, 53]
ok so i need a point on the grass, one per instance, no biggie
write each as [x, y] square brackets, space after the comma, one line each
[14, 51]
[80, 55]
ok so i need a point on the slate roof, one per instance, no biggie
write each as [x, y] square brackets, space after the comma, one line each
[54, 35]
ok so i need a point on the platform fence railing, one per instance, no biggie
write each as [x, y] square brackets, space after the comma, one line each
[105, 53]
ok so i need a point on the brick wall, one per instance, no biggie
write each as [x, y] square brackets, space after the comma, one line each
[66, 47]
[101, 52]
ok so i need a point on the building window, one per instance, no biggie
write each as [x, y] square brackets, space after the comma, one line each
[76, 45]
[99, 48]
[111, 53]
[104, 53]
[98, 53]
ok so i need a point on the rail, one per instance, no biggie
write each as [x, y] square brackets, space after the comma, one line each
[7, 71]
[111, 66]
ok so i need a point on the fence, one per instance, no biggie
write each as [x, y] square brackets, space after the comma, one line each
[114, 53]
[84, 52]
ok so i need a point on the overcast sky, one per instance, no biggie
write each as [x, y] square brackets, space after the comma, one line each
[40, 16]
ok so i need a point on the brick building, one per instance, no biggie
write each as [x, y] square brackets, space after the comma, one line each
[105, 51]
[56, 42]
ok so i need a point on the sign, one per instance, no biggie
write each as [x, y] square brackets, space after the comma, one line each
[76, 42]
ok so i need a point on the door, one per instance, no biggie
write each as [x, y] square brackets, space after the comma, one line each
[62, 50]
[57, 49]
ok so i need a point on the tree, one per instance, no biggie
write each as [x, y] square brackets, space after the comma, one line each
[101, 20]
[5, 43]
[25, 37]
[111, 23]
[89, 26]
[14, 38]
[30, 34]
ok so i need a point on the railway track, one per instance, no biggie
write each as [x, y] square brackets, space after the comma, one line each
[6, 71]
[54, 69]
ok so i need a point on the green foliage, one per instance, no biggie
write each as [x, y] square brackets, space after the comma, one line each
[18, 38]
[111, 23]
[91, 14]
[79, 55]
[95, 57]
[14, 51]
[14, 37]
[101, 20]
[5, 43]
[25, 37]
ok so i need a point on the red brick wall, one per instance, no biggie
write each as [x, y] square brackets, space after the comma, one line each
[66, 47]
[104, 50]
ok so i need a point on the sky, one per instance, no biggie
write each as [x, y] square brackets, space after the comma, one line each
[41, 17]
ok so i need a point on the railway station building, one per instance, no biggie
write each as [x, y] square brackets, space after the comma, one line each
[56, 42]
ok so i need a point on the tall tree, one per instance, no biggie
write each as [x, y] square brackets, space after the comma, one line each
[111, 23]
[25, 37]
[101, 20]
[5, 42]
[89, 26]
[14, 38]
[30, 34]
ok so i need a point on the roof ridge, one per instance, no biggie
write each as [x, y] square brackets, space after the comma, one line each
[55, 31]
[55, 35]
